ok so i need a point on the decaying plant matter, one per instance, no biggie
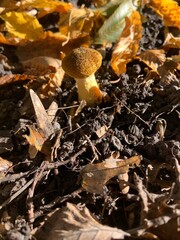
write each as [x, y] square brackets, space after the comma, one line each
[88, 159]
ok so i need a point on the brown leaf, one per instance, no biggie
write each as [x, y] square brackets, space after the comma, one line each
[35, 140]
[74, 223]
[4, 166]
[38, 137]
[42, 63]
[11, 78]
[128, 44]
[50, 46]
[153, 58]
[42, 119]
[171, 41]
[49, 70]
[95, 176]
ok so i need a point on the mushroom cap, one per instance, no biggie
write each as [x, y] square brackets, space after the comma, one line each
[82, 62]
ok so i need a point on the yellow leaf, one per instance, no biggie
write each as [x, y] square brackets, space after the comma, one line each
[76, 22]
[44, 7]
[48, 6]
[153, 58]
[23, 25]
[128, 44]
[169, 10]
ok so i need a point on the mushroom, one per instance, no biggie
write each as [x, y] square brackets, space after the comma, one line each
[81, 64]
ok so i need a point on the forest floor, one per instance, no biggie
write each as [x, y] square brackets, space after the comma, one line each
[138, 125]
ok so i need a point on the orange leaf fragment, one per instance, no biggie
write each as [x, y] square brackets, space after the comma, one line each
[169, 10]
[128, 44]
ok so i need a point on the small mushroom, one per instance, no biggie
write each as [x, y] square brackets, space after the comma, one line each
[81, 64]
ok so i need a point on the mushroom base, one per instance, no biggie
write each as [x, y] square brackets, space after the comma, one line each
[89, 91]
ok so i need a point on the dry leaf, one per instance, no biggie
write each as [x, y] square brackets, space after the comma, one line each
[23, 25]
[42, 63]
[171, 41]
[48, 67]
[76, 223]
[169, 10]
[46, 6]
[117, 11]
[4, 166]
[11, 78]
[156, 215]
[50, 46]
[76, 23]
[37, 139]
[42, 119]
[123, 182]
[128, 44]
[95, 176]
[166, 71]
[153, 58]
[101, 131]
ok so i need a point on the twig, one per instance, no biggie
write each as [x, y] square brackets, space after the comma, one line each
[56, 201]
[15, 177]
[136, 115]
[16, 194]
[93, 148]
[29, 201]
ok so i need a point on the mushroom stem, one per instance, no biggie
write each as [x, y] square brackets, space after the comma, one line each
[88, 90]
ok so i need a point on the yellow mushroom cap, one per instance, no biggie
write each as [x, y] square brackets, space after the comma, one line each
[82, 62]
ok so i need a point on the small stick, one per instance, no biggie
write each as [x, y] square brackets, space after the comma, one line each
[93, 148]
[16, 194]
[29, 201]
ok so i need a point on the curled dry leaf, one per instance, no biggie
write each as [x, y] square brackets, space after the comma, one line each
[76, 223]
[95, 176]
[38, 137]
[49, 70]
[128, 44]
[153, 58]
